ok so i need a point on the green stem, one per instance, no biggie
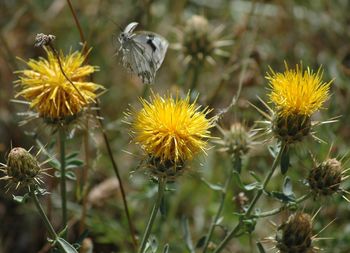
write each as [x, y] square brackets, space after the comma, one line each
[161, 188]
[218, 212]
[196, 70]
[62, 139]
[146, 89]
[253, 203]
[280, 209]
[48, 225]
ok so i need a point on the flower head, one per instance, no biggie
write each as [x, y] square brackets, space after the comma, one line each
[49, 92]
[171, 129]
[296, 234]
[22, 169]
[238, 140]
[296, 95]
[199, 41]
[325, 178]
[298, 92]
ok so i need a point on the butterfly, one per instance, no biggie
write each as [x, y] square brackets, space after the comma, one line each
[143, 52]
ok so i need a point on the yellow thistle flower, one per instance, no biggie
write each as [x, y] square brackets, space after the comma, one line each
[296, 95]
[171, 130]
[48, 91]
[298, 92]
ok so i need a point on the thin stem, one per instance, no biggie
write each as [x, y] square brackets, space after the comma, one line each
[48, 225]
[280, 209]
[62, 140]
[116, 171]
[218, 212]
[196, 70]
[161, 188]
[110, 153]
[253, 203]
[146, 89]
[266, 181]
[62, 71]
[84, 177]
[77, 23]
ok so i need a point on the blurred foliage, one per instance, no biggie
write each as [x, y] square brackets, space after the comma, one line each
[264, 33]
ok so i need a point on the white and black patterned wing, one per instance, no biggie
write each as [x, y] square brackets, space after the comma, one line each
[155, 46]
[136, 60]
[143, 52]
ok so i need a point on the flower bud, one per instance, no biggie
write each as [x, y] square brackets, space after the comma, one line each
[237, 140]
[21, 165]
[22, 169]
[295, 235]
[325, 178]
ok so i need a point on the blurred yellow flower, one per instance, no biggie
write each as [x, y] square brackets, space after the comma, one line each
[171, 129]
[50, 93]
[298, 92]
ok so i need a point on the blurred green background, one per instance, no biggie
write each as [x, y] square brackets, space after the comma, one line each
[264, 33]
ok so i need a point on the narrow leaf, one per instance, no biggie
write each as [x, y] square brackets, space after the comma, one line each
[214, 187]
[66, 246]
[284, 161]
[260, 247]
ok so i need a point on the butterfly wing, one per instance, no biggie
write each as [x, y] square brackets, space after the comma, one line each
[155, 46]
[143, 52]
[136, 60]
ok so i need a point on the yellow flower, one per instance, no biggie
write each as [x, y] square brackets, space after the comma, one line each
[298, 92]
[172, 130]
[48, 91]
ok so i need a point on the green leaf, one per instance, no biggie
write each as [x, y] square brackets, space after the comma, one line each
[282, 197]
[287, 187]
[21, 199]
[256, 177]
[152, 245]
[57, 174]
[74, 163]
[200, 242]
[55, 164]
[273, 150]
[260, 247]
[66, 246]
[249, 225]
[72, 155]
[214, 187]
[166, 248]
[187, 234]
[285, 161]
[71, 175]
[248, 187]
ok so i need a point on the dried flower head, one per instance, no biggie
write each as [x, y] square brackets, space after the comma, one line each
[296, 94]
[171, 130]
[22, 169]
[325, 178]
[48, 91]
[199, 41]
[238, 140]
[42, 39]
[295, 235]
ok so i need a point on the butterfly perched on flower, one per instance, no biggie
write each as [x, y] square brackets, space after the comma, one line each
[143, 52]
